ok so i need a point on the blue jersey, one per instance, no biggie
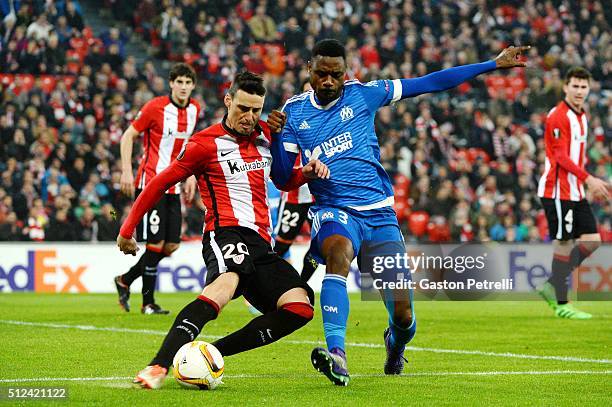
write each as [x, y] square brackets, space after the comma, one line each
[341, 135]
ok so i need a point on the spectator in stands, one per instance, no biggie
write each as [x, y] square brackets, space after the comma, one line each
[262, 26]
[40, 28]
[74, 116]
[73, 16]
[108, 226]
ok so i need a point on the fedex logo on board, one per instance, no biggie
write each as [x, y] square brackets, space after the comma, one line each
[42, 273]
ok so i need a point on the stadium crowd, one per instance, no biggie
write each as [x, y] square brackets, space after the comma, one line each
[465, 162]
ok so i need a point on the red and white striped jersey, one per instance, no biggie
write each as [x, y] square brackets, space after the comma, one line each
[166, 127]
[301, 195]
[565, 138]
[232, 172]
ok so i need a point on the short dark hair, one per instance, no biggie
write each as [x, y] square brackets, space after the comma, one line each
[329, 47]
[577, 72]
[182, 69]
[248, 82]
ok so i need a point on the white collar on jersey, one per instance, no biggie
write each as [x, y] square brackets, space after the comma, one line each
[328, 106]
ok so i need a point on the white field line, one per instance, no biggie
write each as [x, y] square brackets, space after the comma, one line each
[256, 376]
[353, 344]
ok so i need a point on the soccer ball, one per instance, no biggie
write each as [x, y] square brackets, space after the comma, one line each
[198, 365]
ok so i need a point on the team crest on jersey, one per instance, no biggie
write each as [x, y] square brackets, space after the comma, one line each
[346, 113]
[556, 133]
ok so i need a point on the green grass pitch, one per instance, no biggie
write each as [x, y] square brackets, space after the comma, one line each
[465, 353]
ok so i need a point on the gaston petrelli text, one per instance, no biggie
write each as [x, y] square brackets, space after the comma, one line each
[505, 284]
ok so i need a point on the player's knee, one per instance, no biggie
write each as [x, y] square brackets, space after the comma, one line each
[157, 247]
[170, 248]
[338, 262]
[222, 289]
[588, 246]
[338, 253]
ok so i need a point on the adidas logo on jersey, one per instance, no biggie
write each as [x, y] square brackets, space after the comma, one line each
[304, 125]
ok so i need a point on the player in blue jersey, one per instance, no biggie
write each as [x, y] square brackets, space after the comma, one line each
[335, 124]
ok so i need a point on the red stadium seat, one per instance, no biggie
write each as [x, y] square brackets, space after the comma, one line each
[495, 85]
[27, 82]
[401, 210]
[417, 223]
[48, 83]
[73, 67]
[190, 57]
[6, 79]
[69, 80]
[475, 153]
[438, 231]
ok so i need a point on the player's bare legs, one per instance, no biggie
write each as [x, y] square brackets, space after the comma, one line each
[337, 250]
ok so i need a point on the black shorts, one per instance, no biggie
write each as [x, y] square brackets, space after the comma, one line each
[163, 222]
[264, 276]
[291, 217]
[568, 220]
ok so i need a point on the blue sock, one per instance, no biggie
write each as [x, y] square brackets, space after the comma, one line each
[335, 310]
[400, 336]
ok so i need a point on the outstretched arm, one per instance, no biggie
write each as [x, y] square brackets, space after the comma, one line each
[451, 77]
[154, 190]
[188, 162]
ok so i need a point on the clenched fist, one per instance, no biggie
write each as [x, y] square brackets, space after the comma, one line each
[276, 121]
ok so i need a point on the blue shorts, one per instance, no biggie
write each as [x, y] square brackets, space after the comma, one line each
[377, 225]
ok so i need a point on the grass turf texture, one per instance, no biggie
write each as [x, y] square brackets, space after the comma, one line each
[281, 373]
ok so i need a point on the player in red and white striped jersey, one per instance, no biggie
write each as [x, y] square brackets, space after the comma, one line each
[231, 161]
[166, 123]
[562, 192]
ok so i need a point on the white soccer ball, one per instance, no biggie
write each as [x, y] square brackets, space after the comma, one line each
[198, 365]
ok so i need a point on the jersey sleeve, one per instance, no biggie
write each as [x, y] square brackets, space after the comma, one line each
[190, 161]
[288, 136]
[381, 93]
[144, 117]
